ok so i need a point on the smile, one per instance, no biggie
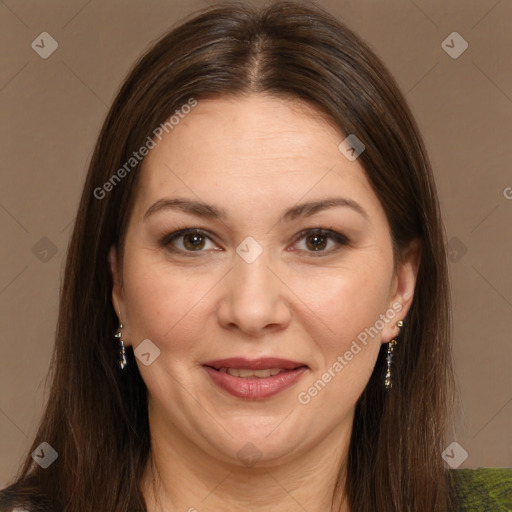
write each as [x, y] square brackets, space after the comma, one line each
[254, 380]
[245, 373]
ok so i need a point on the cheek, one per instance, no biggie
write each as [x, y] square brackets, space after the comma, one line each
[345, 301]
[346, 351]
[162, 304]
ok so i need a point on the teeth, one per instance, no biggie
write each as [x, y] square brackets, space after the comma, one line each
[244, 373]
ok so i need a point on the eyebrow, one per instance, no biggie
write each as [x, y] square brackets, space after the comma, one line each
[205, 210]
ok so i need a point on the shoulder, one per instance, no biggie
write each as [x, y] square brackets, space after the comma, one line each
[482, 489]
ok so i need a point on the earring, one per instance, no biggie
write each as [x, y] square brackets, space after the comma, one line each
[122, 354]
[389, 358]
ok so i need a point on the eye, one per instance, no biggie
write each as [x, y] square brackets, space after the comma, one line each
[194, 240]
[187, 240]
[320, 240]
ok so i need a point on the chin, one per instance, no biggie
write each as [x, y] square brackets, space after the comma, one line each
[259, 448]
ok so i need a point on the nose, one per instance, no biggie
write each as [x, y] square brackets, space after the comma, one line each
[255, 300]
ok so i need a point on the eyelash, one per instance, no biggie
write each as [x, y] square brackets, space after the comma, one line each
[339, 238]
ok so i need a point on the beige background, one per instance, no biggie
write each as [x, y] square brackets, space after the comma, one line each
[52, 110]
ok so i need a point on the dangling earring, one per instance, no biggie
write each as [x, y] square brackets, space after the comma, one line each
[122, 354]
[389, 358]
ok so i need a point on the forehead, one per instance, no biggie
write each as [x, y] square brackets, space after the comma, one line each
[258, 149]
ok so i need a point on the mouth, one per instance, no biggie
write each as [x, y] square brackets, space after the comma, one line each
[254, 379]
[246, 373]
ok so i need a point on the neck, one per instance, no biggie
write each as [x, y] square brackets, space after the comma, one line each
[182, 477]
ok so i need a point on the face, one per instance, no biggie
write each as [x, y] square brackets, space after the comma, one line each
[277, 248]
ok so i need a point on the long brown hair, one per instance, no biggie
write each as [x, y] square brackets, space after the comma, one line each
[96, 416]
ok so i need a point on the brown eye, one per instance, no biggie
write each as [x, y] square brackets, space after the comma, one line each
[321, 241]
[187, 241]
[193, 241]
[316, 242]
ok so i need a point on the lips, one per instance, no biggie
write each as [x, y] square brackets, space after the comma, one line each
[262, 363]
[247, 373]
[254, 379]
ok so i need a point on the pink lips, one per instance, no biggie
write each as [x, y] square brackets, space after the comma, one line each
[255, 388]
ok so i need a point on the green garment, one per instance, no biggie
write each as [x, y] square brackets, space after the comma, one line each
[483, 489]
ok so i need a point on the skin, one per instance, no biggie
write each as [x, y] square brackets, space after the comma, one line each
[254, 157]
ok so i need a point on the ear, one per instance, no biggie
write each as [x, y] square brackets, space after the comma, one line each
[402, 288]
[117, 287]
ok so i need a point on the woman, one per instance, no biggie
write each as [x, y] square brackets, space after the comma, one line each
[255, 310]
